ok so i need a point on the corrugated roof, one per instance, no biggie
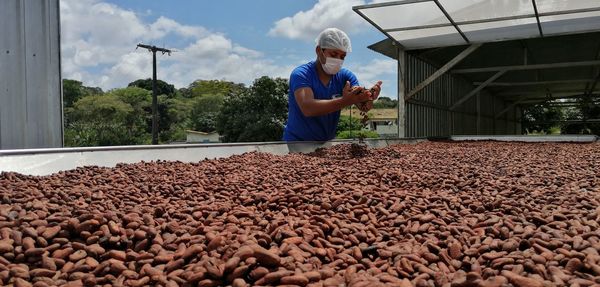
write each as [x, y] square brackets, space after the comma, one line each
[417, 24]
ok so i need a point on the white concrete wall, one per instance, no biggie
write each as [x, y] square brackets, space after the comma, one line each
[30, 81]
[198, 138]
[48, 161]
[387, 129]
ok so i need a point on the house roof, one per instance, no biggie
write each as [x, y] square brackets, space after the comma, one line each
[199, 133]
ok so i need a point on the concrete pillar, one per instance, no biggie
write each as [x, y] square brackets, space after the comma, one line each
[401, 93]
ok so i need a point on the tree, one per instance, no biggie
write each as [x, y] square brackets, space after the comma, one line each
[140, 100]
[75, 90]
[255, 114]
[385, 103]
[205, 110]
[104, 120]
[214, 87]
[541, 118]
[348, 124]
[178, 115]
[162, 87]
[587, 108]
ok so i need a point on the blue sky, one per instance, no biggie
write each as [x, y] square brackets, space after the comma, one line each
[232, 40]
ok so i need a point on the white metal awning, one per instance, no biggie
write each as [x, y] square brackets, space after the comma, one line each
[416, 24]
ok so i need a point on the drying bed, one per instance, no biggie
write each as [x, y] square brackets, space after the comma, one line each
[429, 214]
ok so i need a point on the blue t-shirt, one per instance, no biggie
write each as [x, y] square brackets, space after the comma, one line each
[318, 128]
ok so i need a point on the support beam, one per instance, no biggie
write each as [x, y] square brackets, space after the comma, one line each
[527, 67]
[476, 90]
[594, 83]
[568, 105]
[535, 83]
[387, 4]
[518, 120]
[478, 112]
[555, 97]
[558, 104]
[444, 108]
[503, 111]
[358, 11]
[443, 70]
[401, 93]
[537, 17]
[437, 2]
[590, 121]
[557, 92]
[593, 70]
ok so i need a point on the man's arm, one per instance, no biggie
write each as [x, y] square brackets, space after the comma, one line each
[312, 107]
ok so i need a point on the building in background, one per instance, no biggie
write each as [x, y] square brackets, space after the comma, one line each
[30, 79]
[201, 137]
[471, 67]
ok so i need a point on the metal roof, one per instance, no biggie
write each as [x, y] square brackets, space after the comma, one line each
[417, 24]
[537, 70]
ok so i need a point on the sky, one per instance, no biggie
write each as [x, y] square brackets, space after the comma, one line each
[233, 40]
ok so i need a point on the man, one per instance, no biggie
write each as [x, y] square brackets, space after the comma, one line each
[321, 88]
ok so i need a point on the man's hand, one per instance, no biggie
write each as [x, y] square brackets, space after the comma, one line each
[375, 90]
[373, 94]
[354, 95]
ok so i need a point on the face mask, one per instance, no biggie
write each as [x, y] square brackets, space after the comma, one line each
[332, 65]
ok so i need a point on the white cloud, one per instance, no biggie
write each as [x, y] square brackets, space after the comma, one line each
[377, 70]
[164, 26]
[99, 41]
[306, 25]
[374, 70]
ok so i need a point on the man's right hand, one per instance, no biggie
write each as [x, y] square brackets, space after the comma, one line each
[354, 95]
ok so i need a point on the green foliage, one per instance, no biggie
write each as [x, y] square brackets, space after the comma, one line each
[351, 134]
[74, 90]
[104, 120]
[162, 87]
[124, 116]
[141, 101]
[205, 110]
[346, 123]
[541, 118]
[254, 114]
[215, 87]
[178, 112]
[385, 103]
[586, 109]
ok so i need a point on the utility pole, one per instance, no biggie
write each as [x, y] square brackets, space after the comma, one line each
[154, 49]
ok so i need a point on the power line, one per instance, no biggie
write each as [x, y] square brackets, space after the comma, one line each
[154, 49]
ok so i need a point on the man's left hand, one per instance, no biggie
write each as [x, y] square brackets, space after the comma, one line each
[375, 90]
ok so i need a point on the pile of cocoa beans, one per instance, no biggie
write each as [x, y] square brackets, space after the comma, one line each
[428, 214]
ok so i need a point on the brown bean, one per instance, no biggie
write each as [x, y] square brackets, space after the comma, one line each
[266, 257]
[521, 281]
[273, 277]
[299, 280]
[239, 282]
[51, 232]
[258, 273]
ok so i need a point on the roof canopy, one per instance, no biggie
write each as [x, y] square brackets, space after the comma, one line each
[417, 24]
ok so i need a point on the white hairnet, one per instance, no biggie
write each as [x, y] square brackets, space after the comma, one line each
[334, 38]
